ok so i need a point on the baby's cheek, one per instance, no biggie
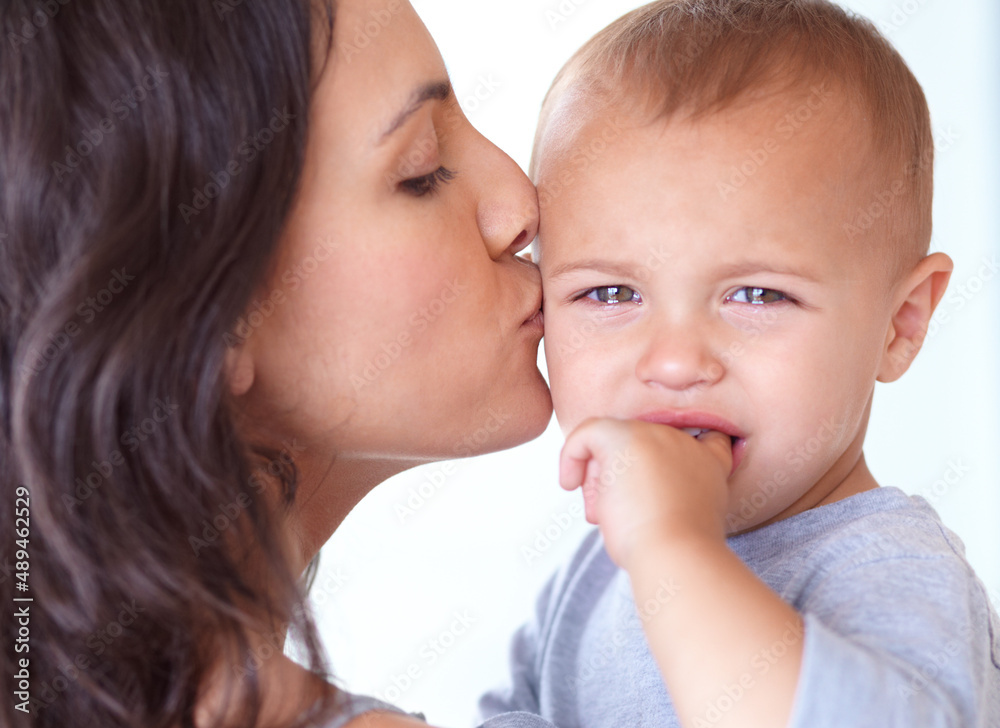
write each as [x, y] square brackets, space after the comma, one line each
[568, 401]
[573, 398]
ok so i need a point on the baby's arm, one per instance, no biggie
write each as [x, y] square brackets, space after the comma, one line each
[659, 497]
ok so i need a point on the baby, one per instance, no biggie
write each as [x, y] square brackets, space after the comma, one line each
[736, 215]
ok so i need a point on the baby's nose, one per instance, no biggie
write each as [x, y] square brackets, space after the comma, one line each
[679, 359]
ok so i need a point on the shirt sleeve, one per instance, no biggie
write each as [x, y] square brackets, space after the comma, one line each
[907, 642]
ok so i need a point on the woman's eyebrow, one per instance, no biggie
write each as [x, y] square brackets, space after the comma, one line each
[433, 90]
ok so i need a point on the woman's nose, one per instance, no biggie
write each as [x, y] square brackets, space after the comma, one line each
[508, 206]
[679, 358]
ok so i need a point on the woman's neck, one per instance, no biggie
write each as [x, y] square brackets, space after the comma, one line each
[328, 491]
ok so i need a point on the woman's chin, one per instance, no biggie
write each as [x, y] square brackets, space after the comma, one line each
[521, 419]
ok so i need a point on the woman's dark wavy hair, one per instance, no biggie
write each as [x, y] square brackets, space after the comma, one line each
[149, 155]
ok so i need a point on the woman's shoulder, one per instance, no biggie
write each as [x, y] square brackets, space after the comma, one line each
[382, 719]
[366, 712]
[363, 711]
[396, 720]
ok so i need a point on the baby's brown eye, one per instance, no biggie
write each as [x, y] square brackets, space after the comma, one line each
[614, 294]
[757, 296]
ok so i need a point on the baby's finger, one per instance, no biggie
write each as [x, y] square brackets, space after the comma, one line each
[721, 446]
[573, 462]
[591, 492]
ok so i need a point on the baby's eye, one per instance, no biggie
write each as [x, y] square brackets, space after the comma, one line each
[757, 296]
[613, 295]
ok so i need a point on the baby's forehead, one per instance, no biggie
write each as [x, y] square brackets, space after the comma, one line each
[582, 121]
[805, 135]
[778, 170]
[773, 60]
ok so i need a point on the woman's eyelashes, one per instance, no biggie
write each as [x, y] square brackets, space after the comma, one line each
[757, 296]
[428, 183]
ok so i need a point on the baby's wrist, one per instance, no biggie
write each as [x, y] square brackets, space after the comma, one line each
[664, 544]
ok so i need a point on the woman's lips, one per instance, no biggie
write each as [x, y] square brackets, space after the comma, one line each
[536, 320]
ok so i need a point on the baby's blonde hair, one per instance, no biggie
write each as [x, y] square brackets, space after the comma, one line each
[696, 57]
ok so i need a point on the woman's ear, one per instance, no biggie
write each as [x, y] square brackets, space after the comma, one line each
[915, 302]
[239, 369]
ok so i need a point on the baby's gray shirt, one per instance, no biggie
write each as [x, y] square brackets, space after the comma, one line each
[899, 632]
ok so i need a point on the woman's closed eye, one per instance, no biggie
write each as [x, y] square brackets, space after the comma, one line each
[757, 296]
[612, 295]
[428, 183]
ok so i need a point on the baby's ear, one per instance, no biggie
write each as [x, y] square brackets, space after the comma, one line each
[916, 300]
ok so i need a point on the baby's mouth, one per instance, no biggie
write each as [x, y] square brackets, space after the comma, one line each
[738, 443]
[697, 431]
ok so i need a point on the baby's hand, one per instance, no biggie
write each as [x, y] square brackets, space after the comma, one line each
[645, 483]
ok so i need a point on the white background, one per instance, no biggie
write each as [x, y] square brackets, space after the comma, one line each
[392, 583]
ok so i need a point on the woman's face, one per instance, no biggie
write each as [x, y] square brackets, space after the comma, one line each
[397, 322]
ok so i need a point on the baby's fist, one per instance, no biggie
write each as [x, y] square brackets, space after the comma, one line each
[645, 483]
